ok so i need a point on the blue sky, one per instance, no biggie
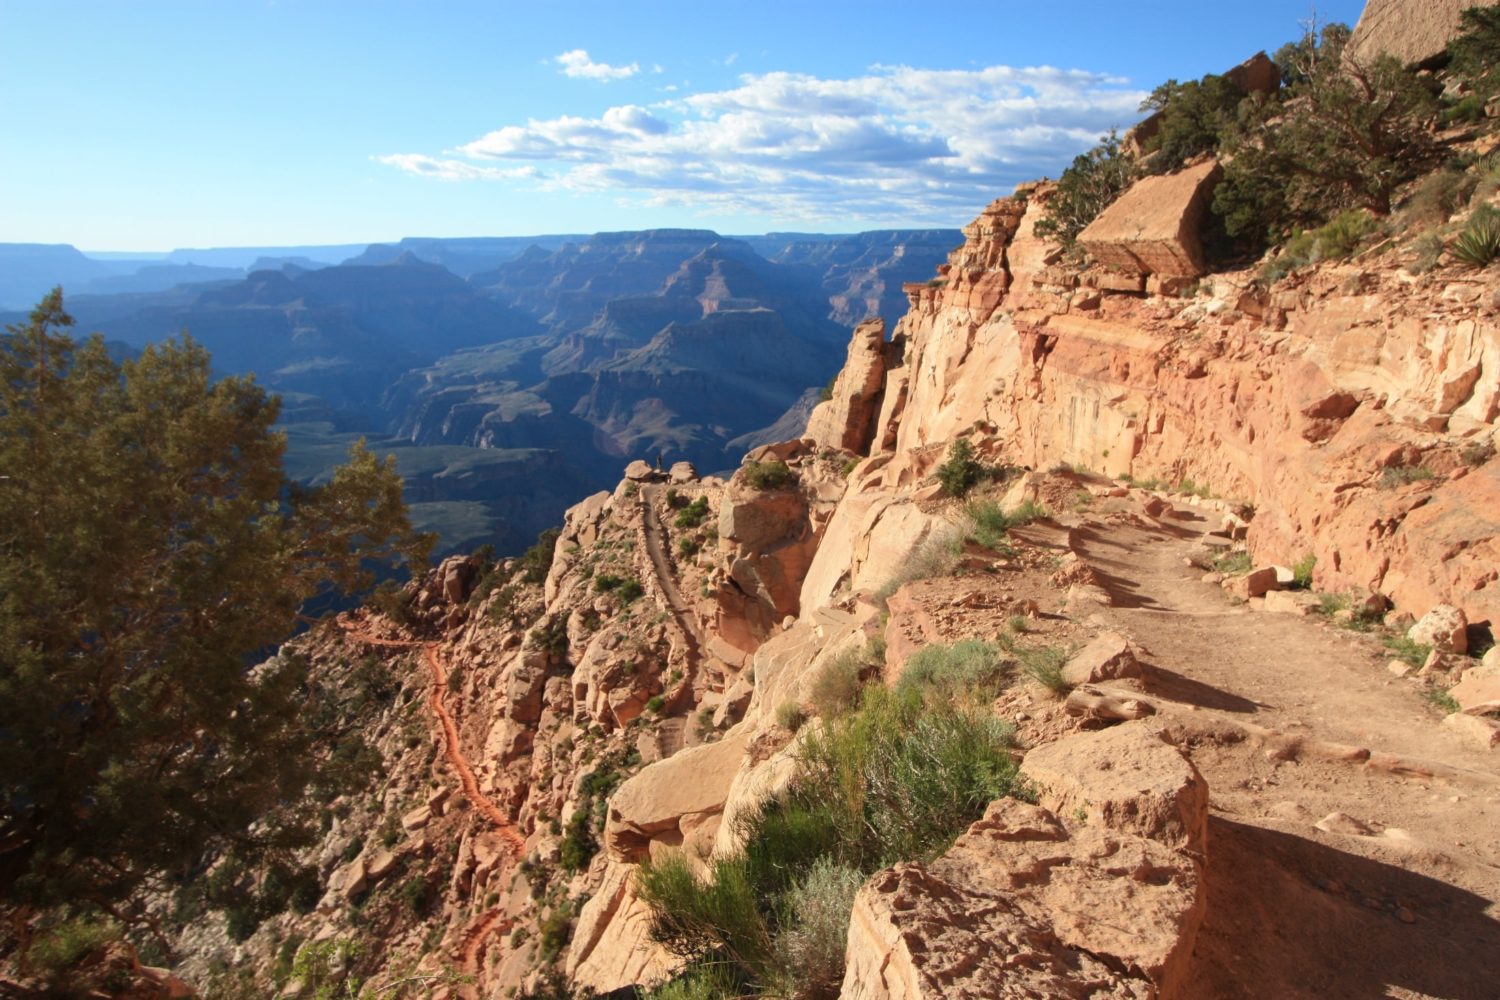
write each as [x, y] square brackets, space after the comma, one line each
[146, 126]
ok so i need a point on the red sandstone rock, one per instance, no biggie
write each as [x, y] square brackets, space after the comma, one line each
[1153, 227]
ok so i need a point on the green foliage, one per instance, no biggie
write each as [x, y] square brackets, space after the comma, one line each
[655, 703]
[1408, 651]
[551, 635]
[1045, 666]
[826, 393]
[693, 514]
[850, 466]
[896, 779]
[962, 471]
[416, 894]
[1232, 563]
[578, 845]
[1344, 135]
[1396, 476]
[1086, 188]
[1441, 700]
[57, 951]
[1194, 117]
[1302, 572]
[990, 524]
[556, 932]
[836, 688]
[790, 716]
[1019, 624]
[771, 475]
[1474, 55]
[687, 546]
[1336, 240]
[536, 561]
[970, 665]
[150, 547]
[1479, 243]
[325, 968]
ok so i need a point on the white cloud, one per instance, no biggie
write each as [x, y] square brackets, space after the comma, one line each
[578, 64]
[896, 143]
[453, 170]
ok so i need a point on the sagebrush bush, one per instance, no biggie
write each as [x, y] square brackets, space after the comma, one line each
[810, 951]
[836, 688]
[771, 475]
[936, 555]
[1044, 665]
[970, 665]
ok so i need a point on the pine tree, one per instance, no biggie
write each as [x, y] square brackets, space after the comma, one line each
[151, 551]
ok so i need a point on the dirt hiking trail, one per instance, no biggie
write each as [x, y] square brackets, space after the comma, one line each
[477, 936]
[1400, 898]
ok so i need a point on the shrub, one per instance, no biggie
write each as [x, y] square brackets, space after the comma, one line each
[969, 665]
[1194, 118]
[826, 393]
[771, 475]
[630, 590]
[416, 894]
[1019, 624]
[790, 716]
[655, 703]
[936, 555]
[1475, 53]
[810, 952]
[1334, 241]
[990, 523]
[837, 686]
[1086, 188]
[555, 933]
[962, 471]
[1479, 243]
[671, 496]
[688, 547]
[1232, 563]
[693, 514]
[536, 561]
[1437, 196]
[57, 951]
[1476, 453]
[1427, 252]
[1302, 572]
[850, 466]
[1045, 666]
[1441, 700]
[1404, 475]
[578, 846]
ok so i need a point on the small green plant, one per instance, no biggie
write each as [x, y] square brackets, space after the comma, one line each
[1479, 243]
[1440, 700]
[936, 555]
[990, 524]
[850, 466]
[693, 514]
[771, 475]
[1404, 649]
[837, 687]
[416, 894]
[688, 546]
[790, 716]
[962, 471]
[1476, 453]
[1232, 563]
[671, 496]
[1302, 572]
[1019, 624]
[1427, 252]
[655, 703]
[1404, 475]
[578, 845]
[57, 951]
[1045, 666]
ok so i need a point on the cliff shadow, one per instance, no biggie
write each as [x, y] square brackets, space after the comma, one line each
[1292, 918]
[1177, 687]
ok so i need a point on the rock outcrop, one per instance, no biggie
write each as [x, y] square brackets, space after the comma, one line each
[1414, 31]
[1153, 227]
[1076, 897]
[846, 419]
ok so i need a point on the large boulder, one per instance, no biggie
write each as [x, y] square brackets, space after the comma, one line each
[1026, 904]
[1109, 657]
[1478, 689]
[674, 803]
[1414, 31]
[1127, 778]
[1444, 628]
[1153, 228]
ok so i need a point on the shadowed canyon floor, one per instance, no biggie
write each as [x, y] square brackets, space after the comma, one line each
[1400, 898]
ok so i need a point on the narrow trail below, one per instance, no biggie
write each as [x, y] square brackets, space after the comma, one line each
[477, 936]
[1403, 902]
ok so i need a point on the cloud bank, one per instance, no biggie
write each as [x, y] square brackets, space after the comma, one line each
[897, 143]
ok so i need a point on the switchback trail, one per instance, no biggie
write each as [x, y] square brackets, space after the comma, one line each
[481, 930]
[1398, 898]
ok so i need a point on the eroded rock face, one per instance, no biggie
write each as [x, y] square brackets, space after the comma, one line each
[674, 803]
[1027, 905]
[847, 419]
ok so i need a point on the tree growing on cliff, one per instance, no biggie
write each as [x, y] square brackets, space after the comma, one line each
[151, 549]
[1086, 188]
[1346, 134]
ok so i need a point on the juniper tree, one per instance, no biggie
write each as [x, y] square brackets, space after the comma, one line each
[151, 551]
